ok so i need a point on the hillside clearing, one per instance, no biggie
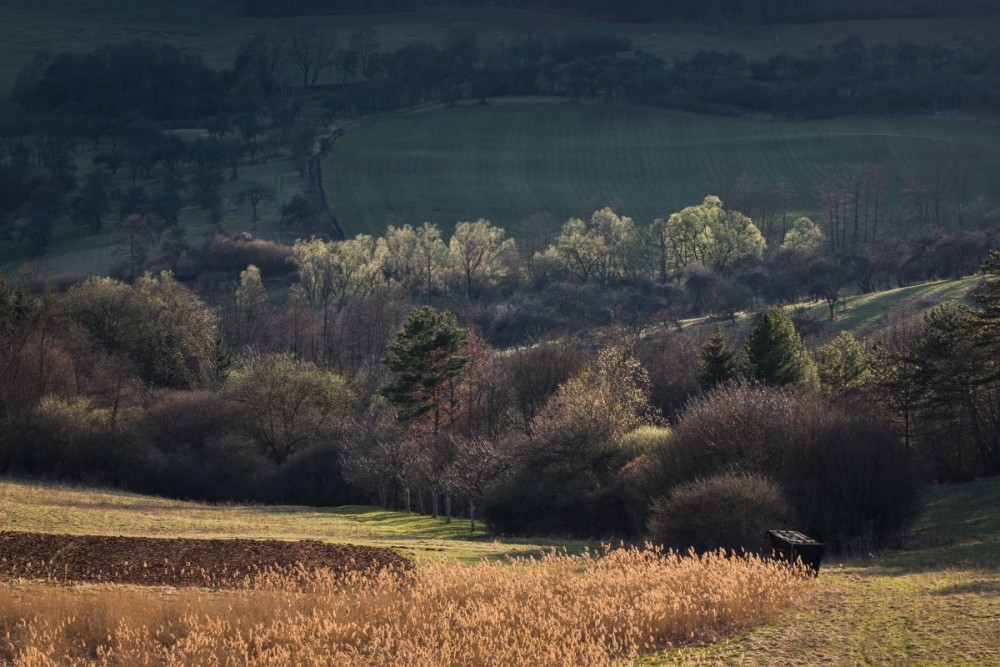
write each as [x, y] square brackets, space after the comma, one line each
[937, 604]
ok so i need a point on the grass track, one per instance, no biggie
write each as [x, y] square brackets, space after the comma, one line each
[505, 161]
[863, 314]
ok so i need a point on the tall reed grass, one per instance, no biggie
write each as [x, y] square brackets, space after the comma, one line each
[560, 609]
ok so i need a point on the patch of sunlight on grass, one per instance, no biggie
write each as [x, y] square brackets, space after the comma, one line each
[51, 508]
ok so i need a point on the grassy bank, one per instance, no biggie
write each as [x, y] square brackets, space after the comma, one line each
[861, 314]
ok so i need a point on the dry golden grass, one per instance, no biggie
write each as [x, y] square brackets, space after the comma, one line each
[557, 610]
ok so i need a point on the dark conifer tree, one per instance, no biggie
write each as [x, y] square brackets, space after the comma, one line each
[426, 355]
[715, 364]
[776, 354]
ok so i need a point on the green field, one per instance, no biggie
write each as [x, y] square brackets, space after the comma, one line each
[506, 161]
[864, 314]
[208, 28]
[937, 602]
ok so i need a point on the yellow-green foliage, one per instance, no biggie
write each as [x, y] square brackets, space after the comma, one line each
[644, 439]
[557, 610]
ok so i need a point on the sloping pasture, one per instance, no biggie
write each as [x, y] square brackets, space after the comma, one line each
[511, 158]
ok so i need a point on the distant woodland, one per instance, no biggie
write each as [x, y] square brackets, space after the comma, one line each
[709, 11]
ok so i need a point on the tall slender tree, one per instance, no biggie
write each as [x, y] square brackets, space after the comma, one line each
[716, 361]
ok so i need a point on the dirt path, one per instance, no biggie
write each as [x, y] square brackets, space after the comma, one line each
[314, 176]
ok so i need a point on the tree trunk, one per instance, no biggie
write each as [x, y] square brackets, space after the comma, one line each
[447, 507]
[472, 515]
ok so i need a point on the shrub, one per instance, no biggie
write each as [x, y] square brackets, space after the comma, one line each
[70, 439]
[312, 477]
[730, 510]
[849, 481]
[643, 440]
[854, 484]
[736, 426]
[187, 420]
[670, 356]
[226, 468]
[232, 255]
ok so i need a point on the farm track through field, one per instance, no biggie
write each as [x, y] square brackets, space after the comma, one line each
[176, 562]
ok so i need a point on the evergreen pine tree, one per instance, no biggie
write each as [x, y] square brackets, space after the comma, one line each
[776, 354]
[426, 356]
[842, 365]
[715, 363]
[986, 296]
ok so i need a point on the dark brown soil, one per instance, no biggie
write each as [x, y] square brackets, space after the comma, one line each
[176, 562]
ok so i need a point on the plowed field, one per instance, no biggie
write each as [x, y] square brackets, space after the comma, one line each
[176, 562]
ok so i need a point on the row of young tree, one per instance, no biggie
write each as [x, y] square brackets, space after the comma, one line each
[132, 385]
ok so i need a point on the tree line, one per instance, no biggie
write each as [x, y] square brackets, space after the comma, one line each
[162, 83]
[847, 77]
[711, 11]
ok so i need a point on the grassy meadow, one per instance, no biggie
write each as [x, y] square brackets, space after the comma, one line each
[934, 603]
[505, 161]
[208, 28]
